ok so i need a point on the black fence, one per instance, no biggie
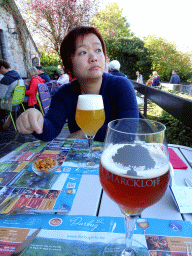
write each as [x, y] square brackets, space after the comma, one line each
[177, 106]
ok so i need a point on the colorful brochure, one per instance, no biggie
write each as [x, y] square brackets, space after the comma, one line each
[70, 154]
[89, 235]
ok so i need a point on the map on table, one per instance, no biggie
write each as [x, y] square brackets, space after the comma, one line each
[89, 235]
[54, 192]
[70, 154]
[50, 193]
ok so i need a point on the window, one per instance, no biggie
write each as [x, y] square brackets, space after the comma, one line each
[1, 45]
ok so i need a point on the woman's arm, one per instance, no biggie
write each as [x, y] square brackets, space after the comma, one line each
[123, 103]
[55, 118]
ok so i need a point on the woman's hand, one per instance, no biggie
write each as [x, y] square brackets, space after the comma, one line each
[77, 135]
[30, 121]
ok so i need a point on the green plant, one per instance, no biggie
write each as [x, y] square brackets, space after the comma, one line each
[48, 59]
[50, 71]
[177, 132]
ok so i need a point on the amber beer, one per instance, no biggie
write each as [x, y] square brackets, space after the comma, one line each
[132, 194]
[90, 115]
[144, 225]
[90, 121]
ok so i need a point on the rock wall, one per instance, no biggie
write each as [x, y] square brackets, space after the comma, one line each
[20, 58]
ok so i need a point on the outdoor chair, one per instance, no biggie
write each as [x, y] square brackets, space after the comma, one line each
[44, 98]
[17, 99]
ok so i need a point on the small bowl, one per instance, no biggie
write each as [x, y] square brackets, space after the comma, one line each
[41, 172]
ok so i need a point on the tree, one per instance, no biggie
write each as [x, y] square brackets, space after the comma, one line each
[132, 54]
[165, 58]
[48, 59]
[118, 38]
[110, 22]
[52, 19]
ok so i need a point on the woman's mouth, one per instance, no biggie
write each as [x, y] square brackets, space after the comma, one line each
[94, 68]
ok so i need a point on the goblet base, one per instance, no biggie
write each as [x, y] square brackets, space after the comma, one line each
[117, 248]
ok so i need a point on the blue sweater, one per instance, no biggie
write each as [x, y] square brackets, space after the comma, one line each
[119, 102]
[8, 84]
[175, 79]
[45, 77]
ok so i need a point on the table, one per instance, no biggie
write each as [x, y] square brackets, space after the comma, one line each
[91, 206]
[91, 200]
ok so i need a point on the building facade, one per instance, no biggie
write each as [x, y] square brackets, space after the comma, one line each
[16, 43]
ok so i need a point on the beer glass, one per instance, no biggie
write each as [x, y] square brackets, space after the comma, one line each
[134, 173]
[143, 224]
[90, 116]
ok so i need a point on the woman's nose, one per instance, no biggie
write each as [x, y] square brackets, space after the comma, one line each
[92, 57]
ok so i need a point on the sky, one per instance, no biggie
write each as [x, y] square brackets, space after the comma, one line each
[169, 19]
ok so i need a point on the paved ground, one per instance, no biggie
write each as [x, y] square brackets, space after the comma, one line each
[10, 139]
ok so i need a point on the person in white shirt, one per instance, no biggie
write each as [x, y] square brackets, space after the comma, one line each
[139, 77]
[63, 79]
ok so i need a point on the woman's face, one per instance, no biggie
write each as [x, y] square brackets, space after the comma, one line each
[88, 60]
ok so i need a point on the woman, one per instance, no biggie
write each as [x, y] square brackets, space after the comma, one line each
[63, 79]
[156, 79]
[34, 81]
[83, 53]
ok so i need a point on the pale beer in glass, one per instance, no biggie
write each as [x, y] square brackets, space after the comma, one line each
[90, 117]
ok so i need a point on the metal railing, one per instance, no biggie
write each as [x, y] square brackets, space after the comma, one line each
[175, 105]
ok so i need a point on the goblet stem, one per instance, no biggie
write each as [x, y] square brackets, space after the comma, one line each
[130, 221]
[144, 232]
[90, 143]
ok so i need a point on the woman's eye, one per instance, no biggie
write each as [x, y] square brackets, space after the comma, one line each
[82, 53]
[98, 50]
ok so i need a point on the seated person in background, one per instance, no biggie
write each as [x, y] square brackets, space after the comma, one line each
[8, 82]
[114, 67]
[42, 74]
[156, 79]
[149, 81]
[139, 77]
[55, 75]
[175, 79]
[63, 79]
[31, 93]
[83, 53]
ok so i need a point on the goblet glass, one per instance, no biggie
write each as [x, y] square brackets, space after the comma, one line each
[134, 173]
[143, 224]
[90, 116]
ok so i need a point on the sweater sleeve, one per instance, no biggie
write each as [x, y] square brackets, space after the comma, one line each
[123, 103]
[54, 120]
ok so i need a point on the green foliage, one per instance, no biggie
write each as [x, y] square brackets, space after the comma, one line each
[177, 132]
[50, 71]
[132, 55]
[120, 42]
[50, 62]
[165, 58]
[110, 22]
[48, 59]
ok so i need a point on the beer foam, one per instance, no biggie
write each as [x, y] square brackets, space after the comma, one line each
[90, 102]
[160, 161]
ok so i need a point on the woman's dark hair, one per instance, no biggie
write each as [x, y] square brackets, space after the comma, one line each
[68, 45]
